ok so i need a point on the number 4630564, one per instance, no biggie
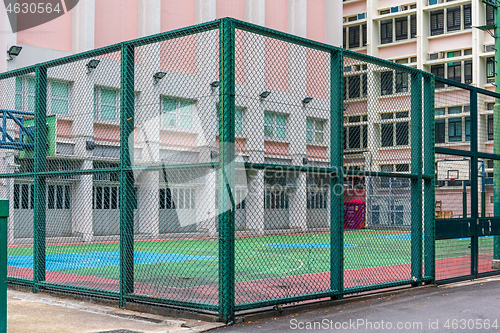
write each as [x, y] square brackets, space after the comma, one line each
[33, 8]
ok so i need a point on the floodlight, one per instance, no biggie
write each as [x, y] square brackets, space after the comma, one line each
[215, 84]
[158, 76]
[264, 94]
[307, 100]
[13, 51]
[92, 64]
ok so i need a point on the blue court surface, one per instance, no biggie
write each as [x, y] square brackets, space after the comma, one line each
[305, 245]
[63, 261]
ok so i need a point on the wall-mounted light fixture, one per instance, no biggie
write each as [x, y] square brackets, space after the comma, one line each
[306, 100]
[92, 64]
[158, 76]
[215, 84]
[264, 95]
[305, 160]
[13, 51]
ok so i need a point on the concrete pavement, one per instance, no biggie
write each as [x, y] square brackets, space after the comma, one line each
[472, 306]
[34, 313]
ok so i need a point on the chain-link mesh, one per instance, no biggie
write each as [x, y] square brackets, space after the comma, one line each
[219, 168]
[465, 178]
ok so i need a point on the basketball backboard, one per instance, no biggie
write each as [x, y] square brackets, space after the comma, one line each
[453, 169]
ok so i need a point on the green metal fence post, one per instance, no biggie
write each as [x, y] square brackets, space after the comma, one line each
[429, 189]
[474, 188]
[4, 214]
[40, 164]
[496, 136]
[127, 114]
[226, 170]
[416, 183]
[337, 182]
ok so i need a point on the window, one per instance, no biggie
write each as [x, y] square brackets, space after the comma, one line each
[386, 83]
[413, 26]
[490, 127]
[438, 70]
[455, 71]
[467, 128]
[354, 36]
[467, 17]
[440, 130]
[177, 112]
[177, 198]
[25, 93]
[386, 32]
[106, 197]
[314, 130]
[490, 15]
[363, 29]
[387, 135]
[316, 199]
[490, 70]
[394, 134]
[439, 111]
[437, 22]
[355, 134]
[344, 39]
[455, 129]
[274, 125]
[401, 82]
[468, 71]
[58, 197]
[401, 28]
[402, 134]
[238, 120]
[354, 83]
[275, 199]
[59, 97]
[105, 103]
[453, 18]
[454, 109]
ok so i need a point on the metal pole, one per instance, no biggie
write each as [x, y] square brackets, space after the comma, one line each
[336, 161]
[483, 190]
[464, 200]
[496, 138]
[226, 171]
[127, 197]
[4, 214]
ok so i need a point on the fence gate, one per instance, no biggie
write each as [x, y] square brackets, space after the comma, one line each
[467, 225]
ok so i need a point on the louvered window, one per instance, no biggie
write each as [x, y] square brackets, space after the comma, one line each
[437, 22]
[401, 28]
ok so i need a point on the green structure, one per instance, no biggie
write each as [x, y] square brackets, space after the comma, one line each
[204, 169]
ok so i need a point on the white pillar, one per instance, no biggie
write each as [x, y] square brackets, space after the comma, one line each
[205, 11]
[333, 23]
[82, 131]
[149, 17]
[255, 12]
[83, 26]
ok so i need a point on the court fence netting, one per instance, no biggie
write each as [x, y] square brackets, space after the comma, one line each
[219, 168]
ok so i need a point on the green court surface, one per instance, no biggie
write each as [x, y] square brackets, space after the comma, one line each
[168, 262]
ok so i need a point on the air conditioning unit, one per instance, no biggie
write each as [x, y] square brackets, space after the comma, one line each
[403, 8]
[395, 9]
[433, 56]
[361, 16]
[489, 48]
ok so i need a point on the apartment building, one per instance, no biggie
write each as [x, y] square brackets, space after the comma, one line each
[178, 118]
[437, 36]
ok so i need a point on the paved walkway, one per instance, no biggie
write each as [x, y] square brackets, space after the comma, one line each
[472, 306]
[34, 313]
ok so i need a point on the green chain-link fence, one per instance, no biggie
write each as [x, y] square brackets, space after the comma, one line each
[220, 167]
